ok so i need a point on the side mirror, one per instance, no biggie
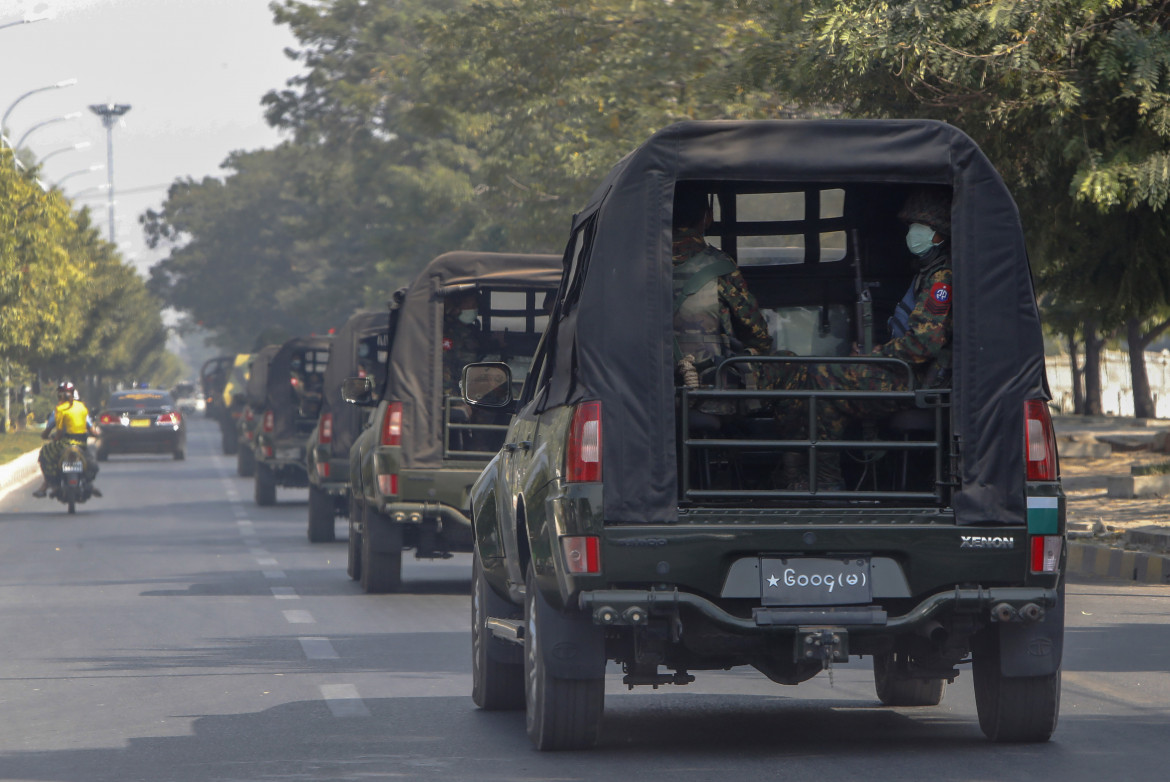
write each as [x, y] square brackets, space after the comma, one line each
[358, 391]
[487, 384]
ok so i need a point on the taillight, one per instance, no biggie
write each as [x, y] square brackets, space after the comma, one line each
[249, 416]
[325, 429]
[392, 425]
[1039, 441]
[388, 484]
[323, 469]
[106, 418]
[168, 419]
[269, 421]
[1046, 553]
[583, 459]
[582, 553]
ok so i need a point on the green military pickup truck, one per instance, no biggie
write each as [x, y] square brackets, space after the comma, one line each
[292, 398]
[360, 348]
[678, 519]
[411, 470]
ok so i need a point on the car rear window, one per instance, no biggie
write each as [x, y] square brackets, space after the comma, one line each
[140, 400]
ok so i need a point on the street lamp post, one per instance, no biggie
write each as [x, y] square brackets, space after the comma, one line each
[110, 112]
[62, 118]
[78, 145]
[78, 172]
[11, 106]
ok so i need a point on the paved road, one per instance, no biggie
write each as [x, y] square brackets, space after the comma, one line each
[175, 631]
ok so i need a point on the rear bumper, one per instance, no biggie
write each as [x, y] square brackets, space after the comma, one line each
[638, 607]
[152, 440]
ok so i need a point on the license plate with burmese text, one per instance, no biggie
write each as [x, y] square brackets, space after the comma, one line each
[815, 581]
[140, 422]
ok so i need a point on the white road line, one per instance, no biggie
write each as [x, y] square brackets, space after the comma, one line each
[251, 541]
[285, 593]
[260, 552]
[244, 522]
[343, 700]
[318, 649]
[265, 561]
[299, 617]
[274, 574]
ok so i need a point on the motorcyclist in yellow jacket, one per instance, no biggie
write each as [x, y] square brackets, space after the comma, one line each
[69, 423]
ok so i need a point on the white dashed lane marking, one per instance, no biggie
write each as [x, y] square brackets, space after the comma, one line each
[275, 574]
[343, 700]
[299, 617]
[318, 648]
[265, 561]
[285, 593]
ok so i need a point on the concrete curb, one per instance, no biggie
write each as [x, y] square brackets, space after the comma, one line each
[18, 472]
[1088, 559]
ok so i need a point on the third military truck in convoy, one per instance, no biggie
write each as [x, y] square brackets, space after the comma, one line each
[293, 388]
[675, 516]
[410, 472]
[360, 349]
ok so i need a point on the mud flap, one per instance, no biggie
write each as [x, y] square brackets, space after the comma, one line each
[1036, 648]
[572, 646]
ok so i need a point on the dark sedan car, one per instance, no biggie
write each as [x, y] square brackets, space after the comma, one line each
[143, 420]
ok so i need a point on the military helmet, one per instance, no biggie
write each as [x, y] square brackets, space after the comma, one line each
[929, 205]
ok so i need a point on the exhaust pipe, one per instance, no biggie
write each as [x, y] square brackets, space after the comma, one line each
[1004, 612]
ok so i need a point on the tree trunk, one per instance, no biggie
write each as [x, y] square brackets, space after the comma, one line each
[1143, 399]
[1093, 345]
[1075, 373]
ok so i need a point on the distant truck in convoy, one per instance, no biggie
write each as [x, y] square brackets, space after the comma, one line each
[411, 470]
[636, 518]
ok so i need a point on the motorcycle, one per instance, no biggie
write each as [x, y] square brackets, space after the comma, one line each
[74, 485]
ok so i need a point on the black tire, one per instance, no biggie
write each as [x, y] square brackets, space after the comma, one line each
[231, 443]
[497, 666]
[1012, 709]
[180, 455]
[72, 506]
[321, 515]
[353, 562]
[560, 713]
[896, 689]
[265, 488]
[245, 463]
[381, 570]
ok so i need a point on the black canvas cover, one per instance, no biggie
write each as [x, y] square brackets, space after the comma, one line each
[256, 389]
[303, 359]
[360, 347]
[415, 374]
[599, 347]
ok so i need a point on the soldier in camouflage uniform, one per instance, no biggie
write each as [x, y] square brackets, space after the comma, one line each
[921, 335]
[715, 315]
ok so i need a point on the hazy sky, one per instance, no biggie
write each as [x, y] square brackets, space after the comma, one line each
[192, 70]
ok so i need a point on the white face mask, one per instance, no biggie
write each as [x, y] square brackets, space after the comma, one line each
[467, 316]
[919, 239]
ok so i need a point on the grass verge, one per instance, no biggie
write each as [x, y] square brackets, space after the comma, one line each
[13, 444]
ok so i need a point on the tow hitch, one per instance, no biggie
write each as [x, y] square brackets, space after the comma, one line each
[824, 644]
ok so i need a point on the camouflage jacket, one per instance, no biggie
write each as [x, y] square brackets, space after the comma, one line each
[927, 339]
[739, 313]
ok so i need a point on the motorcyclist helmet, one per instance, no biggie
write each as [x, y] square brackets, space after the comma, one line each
[66, 390]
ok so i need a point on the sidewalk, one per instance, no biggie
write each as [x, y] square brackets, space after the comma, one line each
[1115, 531]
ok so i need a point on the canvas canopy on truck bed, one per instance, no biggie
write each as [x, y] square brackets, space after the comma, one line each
[362, 327]
[415, 372]
[281, 397]
[611, 337]
[256, 390]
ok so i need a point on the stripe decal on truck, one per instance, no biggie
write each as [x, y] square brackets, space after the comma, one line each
[1044, 515]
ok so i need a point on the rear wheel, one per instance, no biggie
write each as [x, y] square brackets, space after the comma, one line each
[265, 486]
[561, 713]
[353, 564]
[320, 516]
[72, 506]
[228, 438]
[381, 569]
[1018, 708]
[180, 455]
[895, 688]
[245, 463]
[497, 666]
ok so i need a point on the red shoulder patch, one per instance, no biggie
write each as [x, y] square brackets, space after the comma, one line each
[448, 343]
[939, 300]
